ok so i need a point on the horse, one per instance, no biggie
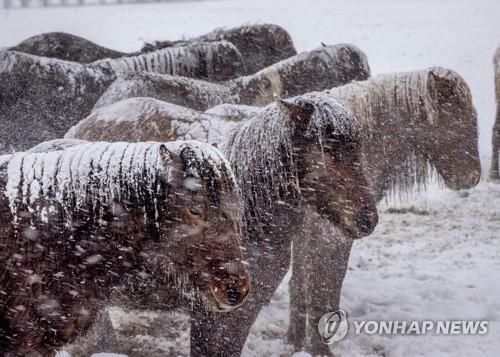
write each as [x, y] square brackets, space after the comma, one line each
[291, 157]
[315, 70]
[495, 140]
[66, 47]
[411, 123]
[261, 45]
[100, 223]
[50, 95]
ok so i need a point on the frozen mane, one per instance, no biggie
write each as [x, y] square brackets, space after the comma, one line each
[390, 102]
[264, 144]
[182, 60]
[96, 174]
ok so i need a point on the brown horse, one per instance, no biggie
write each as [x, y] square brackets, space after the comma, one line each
[320, 69]
[49, 95]
[495, 140]
[98, 223]
[290, 158]
[410, 122]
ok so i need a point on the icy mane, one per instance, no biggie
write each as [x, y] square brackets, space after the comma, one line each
[394, 93]
[176, 60]
[397, 102]
[262, 149]
[95, 175]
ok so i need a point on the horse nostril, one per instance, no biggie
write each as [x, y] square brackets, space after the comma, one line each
[364, 220]
[233, 294]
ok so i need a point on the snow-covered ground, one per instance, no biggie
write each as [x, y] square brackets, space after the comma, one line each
[436, 258]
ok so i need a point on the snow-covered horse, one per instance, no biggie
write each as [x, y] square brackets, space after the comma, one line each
[292, 157]
[98, 223]
[48, 95]
[319, 69]
[410, 122]
[261, 45]
[495, 140]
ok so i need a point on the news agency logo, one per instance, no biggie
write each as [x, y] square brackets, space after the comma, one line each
[333, 327]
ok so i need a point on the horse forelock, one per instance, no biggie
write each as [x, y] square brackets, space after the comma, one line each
[205, 162]
[262, 149]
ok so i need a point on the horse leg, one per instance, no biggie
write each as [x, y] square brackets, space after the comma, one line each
[324, 286]
[495, 142]
[298, 309]
[224, 335]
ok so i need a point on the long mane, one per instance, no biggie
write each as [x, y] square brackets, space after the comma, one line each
[262, 150]
[186, 60]
[95, 175]
[399, 99]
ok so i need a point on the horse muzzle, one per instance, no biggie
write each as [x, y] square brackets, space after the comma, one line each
[230, 293]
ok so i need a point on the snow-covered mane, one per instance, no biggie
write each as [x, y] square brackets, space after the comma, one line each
[97, 174]
[218, 60]
[407, 110]
[261, 45]
[264, 145]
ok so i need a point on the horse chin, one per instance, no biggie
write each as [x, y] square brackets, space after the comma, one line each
[462, 181]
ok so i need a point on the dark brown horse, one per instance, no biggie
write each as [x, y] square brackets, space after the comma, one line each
[410, 122]
[495, 140]
[319, 69]
[293, 157]
[49, 95]
[98, 223]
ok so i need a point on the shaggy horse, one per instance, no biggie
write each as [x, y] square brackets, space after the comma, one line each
[49, 96]
[291, 157]
[319, 69]
[495, 140]
[98, 223]
[411, 122]
[66, 47]
[261, 45]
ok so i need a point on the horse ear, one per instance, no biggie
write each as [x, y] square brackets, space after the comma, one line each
[299, 111]
[440, 83]
[171, 163]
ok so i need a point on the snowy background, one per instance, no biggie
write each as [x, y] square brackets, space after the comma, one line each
[438, 255]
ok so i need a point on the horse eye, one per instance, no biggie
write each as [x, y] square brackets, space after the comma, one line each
[195, 212]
